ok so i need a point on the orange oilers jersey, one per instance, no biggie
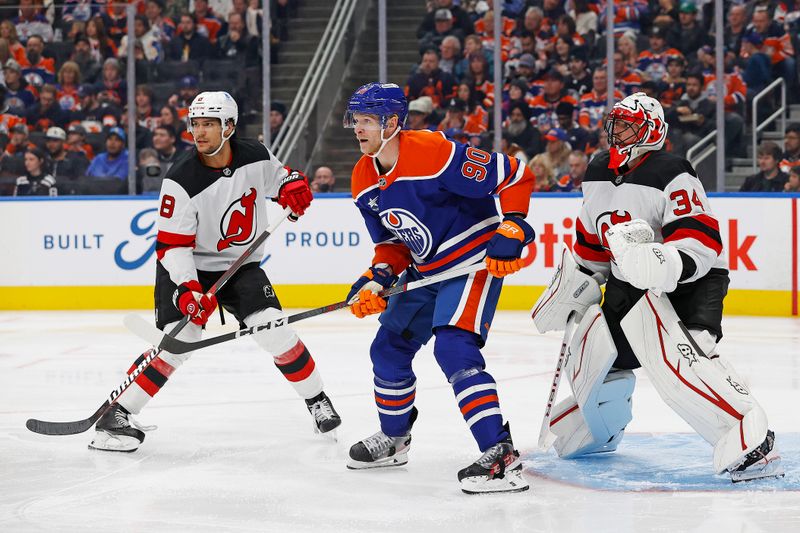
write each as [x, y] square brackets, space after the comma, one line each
[436, 206]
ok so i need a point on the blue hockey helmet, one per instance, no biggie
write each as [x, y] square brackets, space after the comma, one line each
[381, 99]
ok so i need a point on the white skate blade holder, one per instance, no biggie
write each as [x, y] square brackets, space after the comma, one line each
[512, 481]
[398, 459]
[107, 442]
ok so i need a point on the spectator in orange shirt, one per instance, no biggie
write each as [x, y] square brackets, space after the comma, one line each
[208, 23]
[69, 79]
[76, 142]
[476, 119]
[430, 80]
[117, 18]
[37, 69]
[9, 32]
[777, 45]
[12, 160]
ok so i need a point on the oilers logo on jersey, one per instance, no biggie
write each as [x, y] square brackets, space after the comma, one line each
[407, 227]
[239, 222]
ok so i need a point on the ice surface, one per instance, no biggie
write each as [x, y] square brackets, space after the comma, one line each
[235, 452]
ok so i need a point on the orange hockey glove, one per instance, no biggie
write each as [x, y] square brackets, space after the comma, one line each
[505, 247]
[369, 303]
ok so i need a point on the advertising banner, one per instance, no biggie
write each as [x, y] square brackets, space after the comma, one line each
[110, 242]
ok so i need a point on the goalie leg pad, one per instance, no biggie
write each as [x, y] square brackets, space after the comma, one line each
[611, 414]
[569, 291]
[706, 392]
[592, 420]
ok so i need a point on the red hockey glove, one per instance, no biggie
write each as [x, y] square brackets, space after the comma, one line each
[505, 247]
[294, 192]
[191, 300]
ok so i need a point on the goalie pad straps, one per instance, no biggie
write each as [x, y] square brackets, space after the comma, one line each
[593, 418]
[569, 291]
[707, 393]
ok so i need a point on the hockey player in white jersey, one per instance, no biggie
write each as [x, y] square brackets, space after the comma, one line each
[647, 229]
[212, 206]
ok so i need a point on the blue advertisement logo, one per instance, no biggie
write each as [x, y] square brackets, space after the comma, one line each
[139, 230]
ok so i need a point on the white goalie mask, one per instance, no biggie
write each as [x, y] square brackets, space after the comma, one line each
[214, 104]
[634, 127]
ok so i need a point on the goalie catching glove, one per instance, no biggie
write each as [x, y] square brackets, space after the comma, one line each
[190, 299]
[363, 296]
[504, 250]
[645, 265]
[295, 193]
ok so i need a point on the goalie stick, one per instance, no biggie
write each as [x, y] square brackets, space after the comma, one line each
[79, 426]
[145, 330]
[546, 437]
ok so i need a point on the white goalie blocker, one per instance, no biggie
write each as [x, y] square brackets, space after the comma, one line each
[694, 381]
[593, 418]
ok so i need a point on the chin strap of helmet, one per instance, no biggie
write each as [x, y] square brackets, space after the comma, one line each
[384, 142]
[222, 141]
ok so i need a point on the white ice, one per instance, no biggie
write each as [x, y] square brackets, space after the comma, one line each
[234, 450]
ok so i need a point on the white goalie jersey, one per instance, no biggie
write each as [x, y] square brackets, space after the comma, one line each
[207, 217]
[663, 190]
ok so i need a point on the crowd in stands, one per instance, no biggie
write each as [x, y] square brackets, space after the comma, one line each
[554, 76]
[63, 83]
[63, 87]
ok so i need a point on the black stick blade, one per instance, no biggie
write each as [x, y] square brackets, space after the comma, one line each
[58, 428]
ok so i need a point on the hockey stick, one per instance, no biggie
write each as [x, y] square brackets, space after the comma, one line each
[79, 426]
[140, 327]
[546, 437]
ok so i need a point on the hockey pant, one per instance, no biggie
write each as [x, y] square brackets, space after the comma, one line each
[289, 354]
[458, 312]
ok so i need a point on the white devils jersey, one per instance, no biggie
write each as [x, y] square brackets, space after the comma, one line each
[662, 190]
[209, 216]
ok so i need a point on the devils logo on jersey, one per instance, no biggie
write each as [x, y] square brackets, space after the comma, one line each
[608, 219]
[409, 230]
[238, 224]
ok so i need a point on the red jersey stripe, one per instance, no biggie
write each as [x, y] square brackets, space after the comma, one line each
[455, 254]
[467, 319]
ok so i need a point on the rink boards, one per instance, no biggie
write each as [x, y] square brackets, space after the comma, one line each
[99, 252]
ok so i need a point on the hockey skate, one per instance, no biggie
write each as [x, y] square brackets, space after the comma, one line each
[381, 450]
[114, 432]
[762, 462]
[499, 469]
[326, 418]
